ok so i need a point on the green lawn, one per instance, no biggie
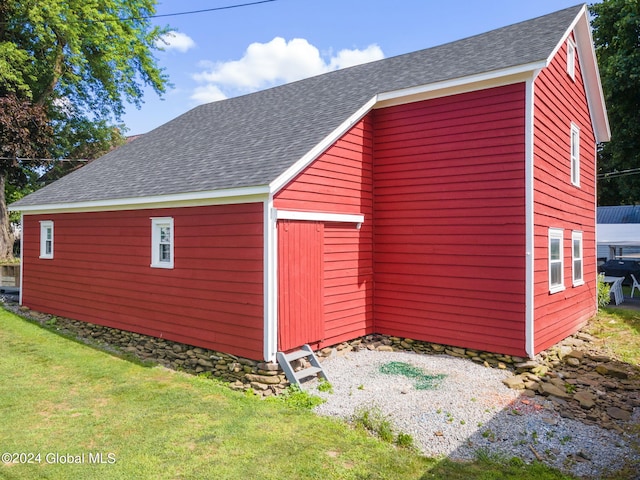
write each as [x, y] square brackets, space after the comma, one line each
[619, 330]
[79, 413]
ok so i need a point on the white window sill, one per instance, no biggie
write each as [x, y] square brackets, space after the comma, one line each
[168, 266]
[557, 289]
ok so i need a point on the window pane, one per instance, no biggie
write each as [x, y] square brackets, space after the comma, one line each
[555, 249]
[556, 274]
[576, 248]
[165, 234]
[577, 269]
[165, 253]
[47, 247]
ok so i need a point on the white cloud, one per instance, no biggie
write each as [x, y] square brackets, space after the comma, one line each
[175, 41]
[208, 93]
[349, 58]
[267, 64]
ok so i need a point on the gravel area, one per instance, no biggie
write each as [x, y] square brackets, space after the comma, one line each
[469, 410]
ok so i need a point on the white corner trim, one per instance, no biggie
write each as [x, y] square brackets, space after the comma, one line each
[318, 216]
[270, 287]
[318, 149]
[529, 220]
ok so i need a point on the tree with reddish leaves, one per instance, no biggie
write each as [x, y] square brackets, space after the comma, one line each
[66, 70]
[25, 137]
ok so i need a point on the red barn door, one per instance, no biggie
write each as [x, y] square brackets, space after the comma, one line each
[300, 283]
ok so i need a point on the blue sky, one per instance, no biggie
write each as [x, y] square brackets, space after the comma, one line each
[221, 54]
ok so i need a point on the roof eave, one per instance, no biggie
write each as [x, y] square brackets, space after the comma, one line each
[590, 73]
[215, 197]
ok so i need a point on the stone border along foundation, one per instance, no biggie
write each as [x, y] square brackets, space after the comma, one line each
[573, 375]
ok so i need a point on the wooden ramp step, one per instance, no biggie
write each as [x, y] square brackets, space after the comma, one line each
[294, 377]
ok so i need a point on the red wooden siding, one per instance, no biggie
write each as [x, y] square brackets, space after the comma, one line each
[101, 273]
[300, 283]
[558, 102]
[339, 181]
[348, 282]
[450, 220]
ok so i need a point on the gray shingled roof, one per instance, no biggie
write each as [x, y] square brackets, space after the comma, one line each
[251, 140]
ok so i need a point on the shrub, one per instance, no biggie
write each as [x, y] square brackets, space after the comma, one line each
[295, 397]
[604, 291]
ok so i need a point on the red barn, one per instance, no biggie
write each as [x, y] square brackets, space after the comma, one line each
[446, 195]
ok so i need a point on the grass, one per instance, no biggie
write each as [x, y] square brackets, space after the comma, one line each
[619, 331]
[76, 407]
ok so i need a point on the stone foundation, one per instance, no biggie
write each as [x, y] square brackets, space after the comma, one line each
[574, 374]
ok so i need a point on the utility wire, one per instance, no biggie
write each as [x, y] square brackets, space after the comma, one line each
[228, 7]
[616, 173]
[47, 159]
[175, 14]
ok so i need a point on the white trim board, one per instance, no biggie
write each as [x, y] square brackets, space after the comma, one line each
[270, 295]
[529, 334]
[191, 199]
[318, 216]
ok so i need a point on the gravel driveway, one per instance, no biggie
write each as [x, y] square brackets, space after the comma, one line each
[468, 410]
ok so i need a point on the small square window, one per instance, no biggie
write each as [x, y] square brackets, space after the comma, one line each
[556, 260]
[46, 239]
[162, 242]
[571, 59]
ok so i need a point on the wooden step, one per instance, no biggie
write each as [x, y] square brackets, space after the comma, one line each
[297, 355]
[307, 372]
[285, 359]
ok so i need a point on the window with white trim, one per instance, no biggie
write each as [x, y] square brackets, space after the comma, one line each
[162, 242]
[575, 155]
[46, 239]
[571, 59]
[556, 260]
[576, 256]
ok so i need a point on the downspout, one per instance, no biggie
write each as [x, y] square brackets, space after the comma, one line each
[529, 218]
[270, 287]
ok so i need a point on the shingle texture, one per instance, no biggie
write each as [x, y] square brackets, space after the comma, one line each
[252, 139]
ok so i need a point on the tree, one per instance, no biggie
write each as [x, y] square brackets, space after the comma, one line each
[24, 132]
[71, 65]
[616, 34]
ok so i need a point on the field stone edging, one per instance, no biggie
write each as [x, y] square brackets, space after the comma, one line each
[582, 382]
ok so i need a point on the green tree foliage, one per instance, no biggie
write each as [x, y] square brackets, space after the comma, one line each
[71, 65]
[616, 34]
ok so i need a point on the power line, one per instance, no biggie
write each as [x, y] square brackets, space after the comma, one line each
[620, 173]
[228, 7]
[175, 14]
[47, 159]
